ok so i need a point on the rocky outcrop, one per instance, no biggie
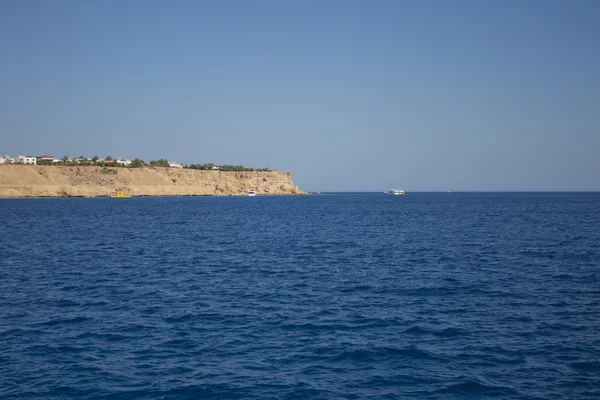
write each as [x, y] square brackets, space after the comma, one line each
[58, 181]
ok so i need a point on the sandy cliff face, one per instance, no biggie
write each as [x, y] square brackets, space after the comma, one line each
[54, 181]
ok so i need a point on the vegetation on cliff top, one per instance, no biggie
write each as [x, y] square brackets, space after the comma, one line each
[138, 163]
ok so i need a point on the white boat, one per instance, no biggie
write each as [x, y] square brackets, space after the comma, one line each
[251, 193]
[396, 192]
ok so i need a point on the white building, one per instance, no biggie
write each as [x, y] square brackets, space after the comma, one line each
[4, 160]
[120, 161]
[44, 157]
[27, 160]
[174, 164]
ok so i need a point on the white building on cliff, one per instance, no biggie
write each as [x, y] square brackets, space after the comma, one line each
[27, 160]
[120, 161]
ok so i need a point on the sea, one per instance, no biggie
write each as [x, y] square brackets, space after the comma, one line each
[332, 296]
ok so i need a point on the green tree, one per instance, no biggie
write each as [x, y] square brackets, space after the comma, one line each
[162, 162]
[137, 163]
[109, 158]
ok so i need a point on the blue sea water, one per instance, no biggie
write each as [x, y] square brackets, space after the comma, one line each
[425, 296]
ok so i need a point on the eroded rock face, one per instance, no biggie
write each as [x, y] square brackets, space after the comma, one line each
[56, 181]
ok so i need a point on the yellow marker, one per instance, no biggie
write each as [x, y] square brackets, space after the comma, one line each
[120, 195]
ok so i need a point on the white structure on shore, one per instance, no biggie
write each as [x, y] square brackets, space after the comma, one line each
[174, 164]
[27, 160]
[120, 161]
[44, 157]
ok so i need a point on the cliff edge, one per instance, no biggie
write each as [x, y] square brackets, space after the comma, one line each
[59, 181]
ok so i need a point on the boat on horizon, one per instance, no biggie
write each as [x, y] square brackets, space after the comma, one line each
[396, 192]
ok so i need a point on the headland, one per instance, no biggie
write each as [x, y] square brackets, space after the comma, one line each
[92, 181]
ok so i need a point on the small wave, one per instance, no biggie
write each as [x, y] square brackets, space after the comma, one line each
[189, 317]
[46, 349]
[588, 366]
[41, 349]
[392, 381]
[516, 318]
[475, 388]
[323, 313]
[304, 393]
[186, 344]
[447, 332]
[179, 318]
[62, 321]
[218, 391]
[109, 337]
[559, 304]
[68, 288]
[382, 353]
[316, 369]
[358, 288]
[488, 358]
[355, 324]
[17, 332]
[71, 349]
[66, 303]
[56, 392]
[150, 310]
[316, 327]
[564, 277]
[95, 303]
[16, 315]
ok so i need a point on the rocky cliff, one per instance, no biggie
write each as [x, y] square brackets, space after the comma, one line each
[55, 181]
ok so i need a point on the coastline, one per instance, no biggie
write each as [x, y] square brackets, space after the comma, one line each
[27, 181]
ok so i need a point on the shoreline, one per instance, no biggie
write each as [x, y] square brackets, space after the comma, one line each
[153, 196]
[32, 181]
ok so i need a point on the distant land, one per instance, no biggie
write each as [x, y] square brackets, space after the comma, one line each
[83, 181]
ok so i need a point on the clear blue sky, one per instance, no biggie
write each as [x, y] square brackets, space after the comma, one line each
[348, 95]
